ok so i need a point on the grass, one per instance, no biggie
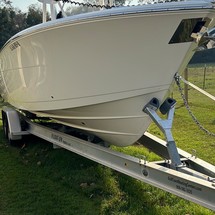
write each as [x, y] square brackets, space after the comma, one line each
[35, 179]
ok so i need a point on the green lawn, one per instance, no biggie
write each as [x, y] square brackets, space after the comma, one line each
[37, 180]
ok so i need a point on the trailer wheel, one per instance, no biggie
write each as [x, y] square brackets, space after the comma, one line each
[6, 129]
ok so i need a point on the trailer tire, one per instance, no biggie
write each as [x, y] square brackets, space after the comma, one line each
[6, 130]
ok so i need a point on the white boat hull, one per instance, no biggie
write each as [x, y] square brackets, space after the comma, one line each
[120, 122]
[97, 73]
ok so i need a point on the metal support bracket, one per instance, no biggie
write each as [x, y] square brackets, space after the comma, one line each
[165, 125]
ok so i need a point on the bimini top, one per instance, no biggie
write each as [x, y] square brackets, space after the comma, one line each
[125, 10]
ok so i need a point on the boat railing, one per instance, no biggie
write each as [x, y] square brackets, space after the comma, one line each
[53, 9]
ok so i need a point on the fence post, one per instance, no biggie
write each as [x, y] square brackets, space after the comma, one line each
[185, 85]
[205, 68]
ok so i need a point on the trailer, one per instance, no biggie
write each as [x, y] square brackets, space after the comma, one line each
[180, 173]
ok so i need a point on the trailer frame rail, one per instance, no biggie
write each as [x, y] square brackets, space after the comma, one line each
[183, 181]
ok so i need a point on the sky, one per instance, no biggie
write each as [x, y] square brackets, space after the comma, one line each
[24, 4]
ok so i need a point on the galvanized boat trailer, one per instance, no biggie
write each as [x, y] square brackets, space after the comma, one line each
[180, 173]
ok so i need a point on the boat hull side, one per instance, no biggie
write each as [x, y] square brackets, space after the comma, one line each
[93, 61]
[97, 74]
[120, 122]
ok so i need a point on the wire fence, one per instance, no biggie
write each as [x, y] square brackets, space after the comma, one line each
[203, 76]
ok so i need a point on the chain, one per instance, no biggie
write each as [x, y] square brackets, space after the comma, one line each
[177, 79]
[88, 4]
[113, 6]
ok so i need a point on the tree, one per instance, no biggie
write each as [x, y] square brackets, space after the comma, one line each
[4, 20]
[120, 2]
[79, 9]
[34, 15]
[5, 3]
[11, 22]
[20, 20]
[73, 10]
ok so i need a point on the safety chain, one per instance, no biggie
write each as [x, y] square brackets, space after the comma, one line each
[113, 6]
[177, 79]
